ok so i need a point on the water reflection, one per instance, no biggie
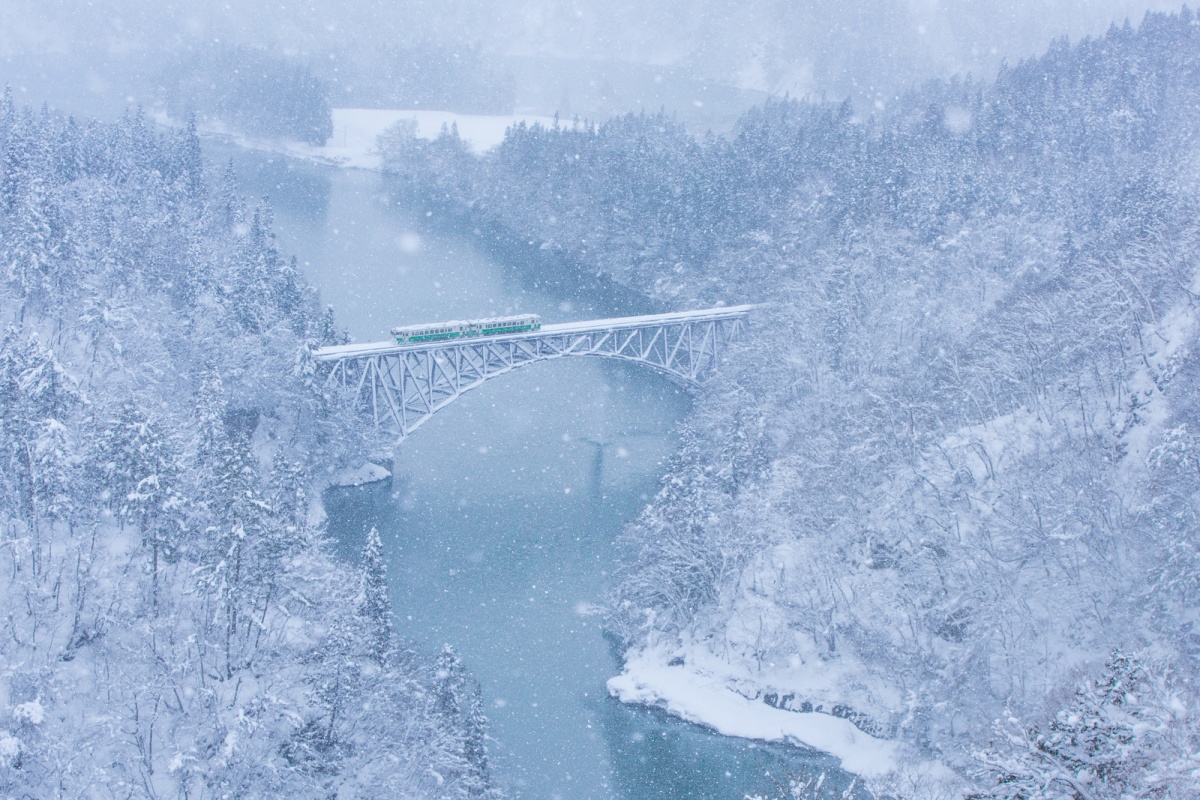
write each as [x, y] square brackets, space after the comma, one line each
[295, 190]
[655, 756]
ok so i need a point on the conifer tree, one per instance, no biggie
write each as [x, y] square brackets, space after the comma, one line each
[290, 494]
[375, 605]
[35, 396]
[458, 700]
[199, 642]
[212, 437]
[139, 474]
[1116, 736]
[13, 423]
[328, 334]
[52, 461]
[7, 108]
[30, 251]
[254, 292]
[191, 160]
[229, 205]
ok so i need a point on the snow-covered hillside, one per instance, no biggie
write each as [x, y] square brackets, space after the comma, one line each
[946, 488]
[173, 621]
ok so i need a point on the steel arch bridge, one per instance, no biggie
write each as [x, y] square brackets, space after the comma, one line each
[404, 385]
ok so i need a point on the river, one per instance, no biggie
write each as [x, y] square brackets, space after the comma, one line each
[500, 521]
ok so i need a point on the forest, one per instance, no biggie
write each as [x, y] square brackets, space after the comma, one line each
[174, 623]
[251, 91]
[946, 488]
[426, 75]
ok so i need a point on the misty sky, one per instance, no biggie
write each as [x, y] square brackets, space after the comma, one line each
[839, 47]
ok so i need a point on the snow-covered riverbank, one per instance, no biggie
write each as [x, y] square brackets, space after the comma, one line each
[712, 700]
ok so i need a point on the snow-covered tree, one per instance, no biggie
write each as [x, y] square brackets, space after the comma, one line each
[1130, 732]
[174, 621]
[376, 604]
[456, 697]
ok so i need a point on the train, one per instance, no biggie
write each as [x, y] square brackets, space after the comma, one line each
[462, 329]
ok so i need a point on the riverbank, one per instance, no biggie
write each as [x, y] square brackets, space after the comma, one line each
[652, 677]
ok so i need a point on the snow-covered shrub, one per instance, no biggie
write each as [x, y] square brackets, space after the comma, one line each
[1133, 731]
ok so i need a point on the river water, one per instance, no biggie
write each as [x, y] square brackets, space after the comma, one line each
[499, 523]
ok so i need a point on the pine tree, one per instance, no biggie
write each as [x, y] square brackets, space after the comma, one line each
[255, 288]
[36, 395]
[30, 251]
[8, 109]
[290, 494]
[305, 368]
[49, 390]
[248, 539]
[68, 166]
[16, 148]
[139, 474]
[52, 461]
[375, 605]
[238, 516]
[287, 294]
[198, 645]
[191, 160]
[14, 425]
[328, 334]
[212, 437]
[229, 205]
[458, 700]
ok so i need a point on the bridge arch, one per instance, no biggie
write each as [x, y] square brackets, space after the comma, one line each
[403, 386]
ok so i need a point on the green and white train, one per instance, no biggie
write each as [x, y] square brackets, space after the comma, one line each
[463, 329]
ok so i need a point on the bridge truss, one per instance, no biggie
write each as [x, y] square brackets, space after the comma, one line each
[403, 386]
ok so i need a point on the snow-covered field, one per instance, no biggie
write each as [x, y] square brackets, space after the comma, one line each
[356, 130]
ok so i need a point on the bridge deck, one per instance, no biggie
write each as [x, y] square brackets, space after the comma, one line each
[587, 326]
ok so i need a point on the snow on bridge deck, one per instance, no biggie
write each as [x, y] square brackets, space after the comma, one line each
[403, 385]
[340, 352]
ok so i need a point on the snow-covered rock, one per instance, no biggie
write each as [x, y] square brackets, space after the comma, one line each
[367, 473]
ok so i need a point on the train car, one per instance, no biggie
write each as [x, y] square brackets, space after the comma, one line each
[430, 332]
[493, 326]
[459, 329]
